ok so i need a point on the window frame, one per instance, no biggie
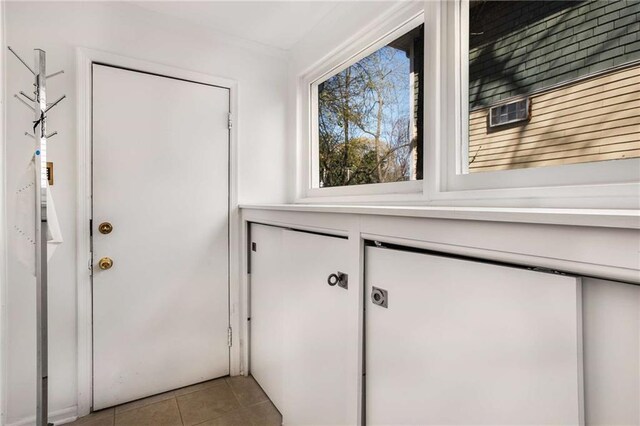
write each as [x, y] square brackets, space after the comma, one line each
[362, 45]
[605, 184]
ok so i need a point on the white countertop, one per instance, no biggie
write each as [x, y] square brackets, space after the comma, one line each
[629, 219]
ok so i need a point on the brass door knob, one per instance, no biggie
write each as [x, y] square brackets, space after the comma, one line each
[105, 263]
[105, 228]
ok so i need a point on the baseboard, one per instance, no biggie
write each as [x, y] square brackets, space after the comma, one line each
[58, 417]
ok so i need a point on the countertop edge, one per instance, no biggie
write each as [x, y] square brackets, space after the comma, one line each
[625, 219]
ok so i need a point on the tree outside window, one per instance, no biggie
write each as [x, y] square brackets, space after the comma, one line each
[370, 117]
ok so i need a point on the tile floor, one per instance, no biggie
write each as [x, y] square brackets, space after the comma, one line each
[229, 401]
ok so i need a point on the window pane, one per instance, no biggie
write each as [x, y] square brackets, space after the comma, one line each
[370, 117]
[578, 64]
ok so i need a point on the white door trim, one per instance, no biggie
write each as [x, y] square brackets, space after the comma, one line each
[84, 60]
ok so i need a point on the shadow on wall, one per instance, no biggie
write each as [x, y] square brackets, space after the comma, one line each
[518, 47]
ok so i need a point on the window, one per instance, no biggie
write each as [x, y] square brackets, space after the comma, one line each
[578, 64]
[370, 117]
[475, 102]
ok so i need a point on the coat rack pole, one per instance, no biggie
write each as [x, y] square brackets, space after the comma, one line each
[40, 109]
[40, 133]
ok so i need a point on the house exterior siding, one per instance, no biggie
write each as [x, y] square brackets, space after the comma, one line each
[566, 56]
[594, 120]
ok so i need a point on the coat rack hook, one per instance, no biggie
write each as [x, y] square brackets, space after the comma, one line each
[21, 60]
[24, 102]
[29, 134]
[27, 96]
[52, 134]
[55, 103]
[55, 73]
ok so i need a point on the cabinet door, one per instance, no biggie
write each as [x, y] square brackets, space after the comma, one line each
[267, 310]
[299, 326]
[464, 342]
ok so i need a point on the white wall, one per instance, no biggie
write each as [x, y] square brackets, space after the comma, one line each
[267, 166]
[130, 31]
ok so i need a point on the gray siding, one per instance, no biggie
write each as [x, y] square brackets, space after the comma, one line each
[518, 47]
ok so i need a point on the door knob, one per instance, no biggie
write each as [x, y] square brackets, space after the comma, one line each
[105, 228]
[333, 279]
[105, 263]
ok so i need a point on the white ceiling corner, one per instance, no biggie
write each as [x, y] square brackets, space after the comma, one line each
[279, 24]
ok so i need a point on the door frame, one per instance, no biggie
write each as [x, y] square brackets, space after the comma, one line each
[85, 58]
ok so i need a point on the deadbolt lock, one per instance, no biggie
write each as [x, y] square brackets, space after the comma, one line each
[105, 228]
[105, 263]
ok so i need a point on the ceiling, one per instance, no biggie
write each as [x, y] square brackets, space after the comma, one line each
[279, 24]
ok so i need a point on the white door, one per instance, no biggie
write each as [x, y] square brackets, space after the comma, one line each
[300, 326]
[160, 178]
[463, 342]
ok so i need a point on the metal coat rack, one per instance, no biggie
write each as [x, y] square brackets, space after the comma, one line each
[39, 133]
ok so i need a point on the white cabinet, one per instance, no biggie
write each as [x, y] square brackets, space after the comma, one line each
[464, 342]
[299, 323]
[460, 341]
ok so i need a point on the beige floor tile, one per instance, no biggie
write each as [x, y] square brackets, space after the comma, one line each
[231, 401]
[197, 387]
[98, 418]
[235, 418]
[144, 402]
[247, 390]
[207, 404]
[264, 414]
[163, 413]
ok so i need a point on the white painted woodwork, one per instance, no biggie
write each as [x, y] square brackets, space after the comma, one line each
[465, 342]
[611, 312]
[611, 327]
[160, 176]
[299, 330]
[575, 249]
[267, 311]
[316, 348]
[609, 218]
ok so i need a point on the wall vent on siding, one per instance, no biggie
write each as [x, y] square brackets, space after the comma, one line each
[508, 113]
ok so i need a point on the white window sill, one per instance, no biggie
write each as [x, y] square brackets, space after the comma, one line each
[627, 219]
